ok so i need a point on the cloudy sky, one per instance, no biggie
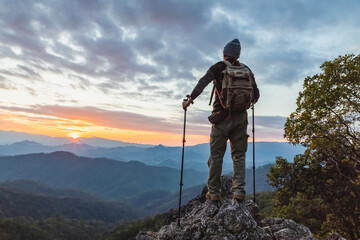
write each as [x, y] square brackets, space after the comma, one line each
[120, 69]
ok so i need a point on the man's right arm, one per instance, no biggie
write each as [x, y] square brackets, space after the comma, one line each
[212, 73]
[203, 82]
[199, 88]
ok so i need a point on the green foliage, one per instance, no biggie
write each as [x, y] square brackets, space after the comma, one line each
[265, 202]
[40, 188]
[321, 189]
[328, 112]
[129, 230]
[15, 203]
[50, 229]
[295, 196]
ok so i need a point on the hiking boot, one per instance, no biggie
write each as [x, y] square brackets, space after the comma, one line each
[238, 198]
[212, 197]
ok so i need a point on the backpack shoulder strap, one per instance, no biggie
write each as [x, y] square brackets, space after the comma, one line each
[228, 64]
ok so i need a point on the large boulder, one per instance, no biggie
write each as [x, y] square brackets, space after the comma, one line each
[203, 219]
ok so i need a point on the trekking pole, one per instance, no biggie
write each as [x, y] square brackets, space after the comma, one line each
[212, 94]
[253, 133]
[182, 161]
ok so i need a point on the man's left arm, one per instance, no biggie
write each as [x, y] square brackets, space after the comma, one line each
[256, 92]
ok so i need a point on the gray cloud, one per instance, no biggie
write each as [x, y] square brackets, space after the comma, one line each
[268, 128]
[144, 86]
[5, 84]
[296, 16]
[284, 67]
[32, 91]
[276, 122]
[184, 15]
[23, 72]
[175, 35]
[164, 32]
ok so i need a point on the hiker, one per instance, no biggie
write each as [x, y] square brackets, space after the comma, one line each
[227, 123]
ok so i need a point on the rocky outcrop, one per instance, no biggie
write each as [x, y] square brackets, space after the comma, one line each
[203, 219]
[285, 229]
[335, 236]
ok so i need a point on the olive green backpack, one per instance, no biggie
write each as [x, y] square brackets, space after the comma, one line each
[237, 88]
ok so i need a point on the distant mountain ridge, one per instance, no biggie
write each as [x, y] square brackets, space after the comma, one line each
[195, 156]
[109, 178]
[10, 137]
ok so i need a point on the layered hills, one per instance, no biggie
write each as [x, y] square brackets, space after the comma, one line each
[195, 156]
[149, 189]
[39, 191]
[108, 178]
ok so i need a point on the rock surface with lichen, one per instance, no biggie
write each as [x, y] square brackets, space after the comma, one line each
[203, 219]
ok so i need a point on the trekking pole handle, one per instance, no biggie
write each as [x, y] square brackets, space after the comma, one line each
[187, 97]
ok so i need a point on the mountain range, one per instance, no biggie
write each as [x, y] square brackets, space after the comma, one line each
[144, 177]
[20, 197]
[9, 137]
[195, 156]
[109, 178]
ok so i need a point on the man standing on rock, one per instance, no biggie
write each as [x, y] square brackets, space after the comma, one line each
[236, 89]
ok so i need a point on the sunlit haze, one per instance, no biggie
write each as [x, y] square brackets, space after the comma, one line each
[120, 69]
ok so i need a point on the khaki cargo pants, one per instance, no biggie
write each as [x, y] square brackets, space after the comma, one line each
[234, 128]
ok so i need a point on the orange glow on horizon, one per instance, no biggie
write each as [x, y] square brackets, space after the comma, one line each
[63, 127]
[60, 127]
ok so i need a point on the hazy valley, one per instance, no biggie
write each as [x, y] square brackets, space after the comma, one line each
[195, 156]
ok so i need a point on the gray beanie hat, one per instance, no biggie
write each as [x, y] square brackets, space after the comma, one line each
[233, 49]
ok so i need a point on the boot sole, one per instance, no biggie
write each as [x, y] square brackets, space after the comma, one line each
[212, 198]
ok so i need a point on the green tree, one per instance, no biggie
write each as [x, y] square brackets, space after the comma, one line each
[321, 188]
[129, 230]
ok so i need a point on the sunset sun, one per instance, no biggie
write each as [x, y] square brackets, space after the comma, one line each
[74, 136]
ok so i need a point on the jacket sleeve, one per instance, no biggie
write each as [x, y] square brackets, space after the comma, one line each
[256, 90]
[201, 85]
[210, 75]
